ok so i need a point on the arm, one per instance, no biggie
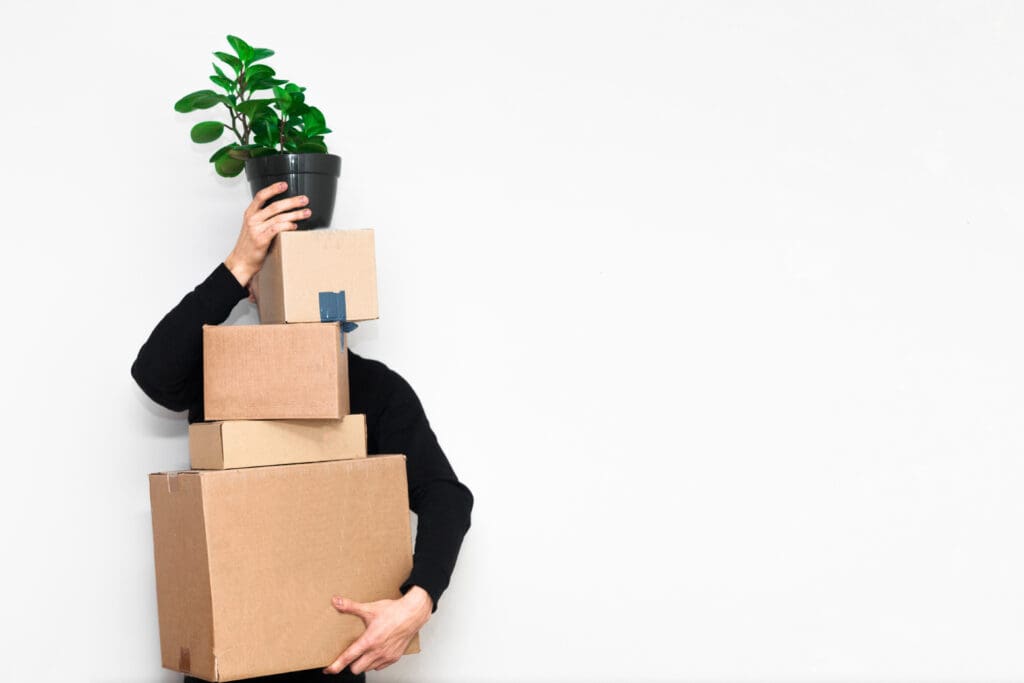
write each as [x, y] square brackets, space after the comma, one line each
[169, 367]
[441, 502]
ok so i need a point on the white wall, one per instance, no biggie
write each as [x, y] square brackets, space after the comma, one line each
[715, 307]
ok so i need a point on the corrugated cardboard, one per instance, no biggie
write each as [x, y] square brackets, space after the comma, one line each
[256, 443]
[247, 561]
[269, 372]
[303, 263]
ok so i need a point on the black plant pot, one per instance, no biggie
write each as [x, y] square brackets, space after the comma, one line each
[314, 175]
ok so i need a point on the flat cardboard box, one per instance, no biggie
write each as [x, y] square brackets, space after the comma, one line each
[257, 443]
[275, 372]
[303, 263]
[247, 561]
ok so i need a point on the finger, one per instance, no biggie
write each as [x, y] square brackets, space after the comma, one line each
[353, 652]
[364, 663]
[346, 606]
[275, 228]
[263, 195]
[384, 663]
[280, 206]
[291, 216]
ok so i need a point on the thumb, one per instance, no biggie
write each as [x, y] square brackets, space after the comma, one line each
[346, 606]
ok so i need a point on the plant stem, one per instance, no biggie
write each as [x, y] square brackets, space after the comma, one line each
[245, 119]
[235, 130]
[235, 117]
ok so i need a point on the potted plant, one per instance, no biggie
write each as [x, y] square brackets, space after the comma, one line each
[276, 138]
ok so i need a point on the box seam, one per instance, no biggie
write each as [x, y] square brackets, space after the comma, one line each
[209, 579]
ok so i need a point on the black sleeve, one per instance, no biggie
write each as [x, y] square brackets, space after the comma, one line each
[441, 502]
[169, 367]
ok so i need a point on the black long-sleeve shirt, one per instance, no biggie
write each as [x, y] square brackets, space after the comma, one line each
[169, 369]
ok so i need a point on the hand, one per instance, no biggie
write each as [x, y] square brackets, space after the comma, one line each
[259, 226]
[390, 625]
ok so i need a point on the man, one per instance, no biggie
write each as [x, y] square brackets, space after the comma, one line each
[169, 370]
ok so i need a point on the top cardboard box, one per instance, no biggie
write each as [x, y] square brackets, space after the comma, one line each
[304, 263]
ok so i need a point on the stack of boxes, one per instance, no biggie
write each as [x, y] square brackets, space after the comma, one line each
[281, 509]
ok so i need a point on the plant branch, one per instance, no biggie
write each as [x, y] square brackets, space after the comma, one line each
[245, 119]
[233, 128]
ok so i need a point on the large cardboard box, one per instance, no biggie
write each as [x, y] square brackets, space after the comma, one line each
[256, 443]
[302, 264]
[268, 372]
[247, 561]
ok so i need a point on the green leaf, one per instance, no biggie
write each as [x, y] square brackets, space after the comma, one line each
[259, 70]
[264, 128]
[259, 53]
[207, 131]
[244, 152]
[200, 99]
[242, 49]
[220, 153]
[313, 122]
[230, 60]
[257, 75]
[267, 115]
[262, 83]
[312, 146]
[284, 100]
[250, 108]
[263, 151]
[218, 70]
[317, 140]
[223, 82]
[228, 166]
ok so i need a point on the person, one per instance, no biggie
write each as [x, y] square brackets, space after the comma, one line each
[169, 368]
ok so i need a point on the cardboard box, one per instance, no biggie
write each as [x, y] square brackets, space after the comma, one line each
[247, 561]
[303, 263]
[256, 443]
[268, 372]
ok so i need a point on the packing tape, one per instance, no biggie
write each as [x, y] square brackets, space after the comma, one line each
[172, 483]
[333, 310]
[184, 660]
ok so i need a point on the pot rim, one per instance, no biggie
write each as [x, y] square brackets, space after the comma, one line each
[288, 163]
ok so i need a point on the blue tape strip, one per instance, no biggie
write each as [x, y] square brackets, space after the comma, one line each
[332, 309]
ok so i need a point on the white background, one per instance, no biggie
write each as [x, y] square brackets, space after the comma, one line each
[714, 306]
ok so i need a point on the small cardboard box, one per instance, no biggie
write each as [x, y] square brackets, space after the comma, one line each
[301, 264]
[256, 443]
[271, 372]
[247, 561]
